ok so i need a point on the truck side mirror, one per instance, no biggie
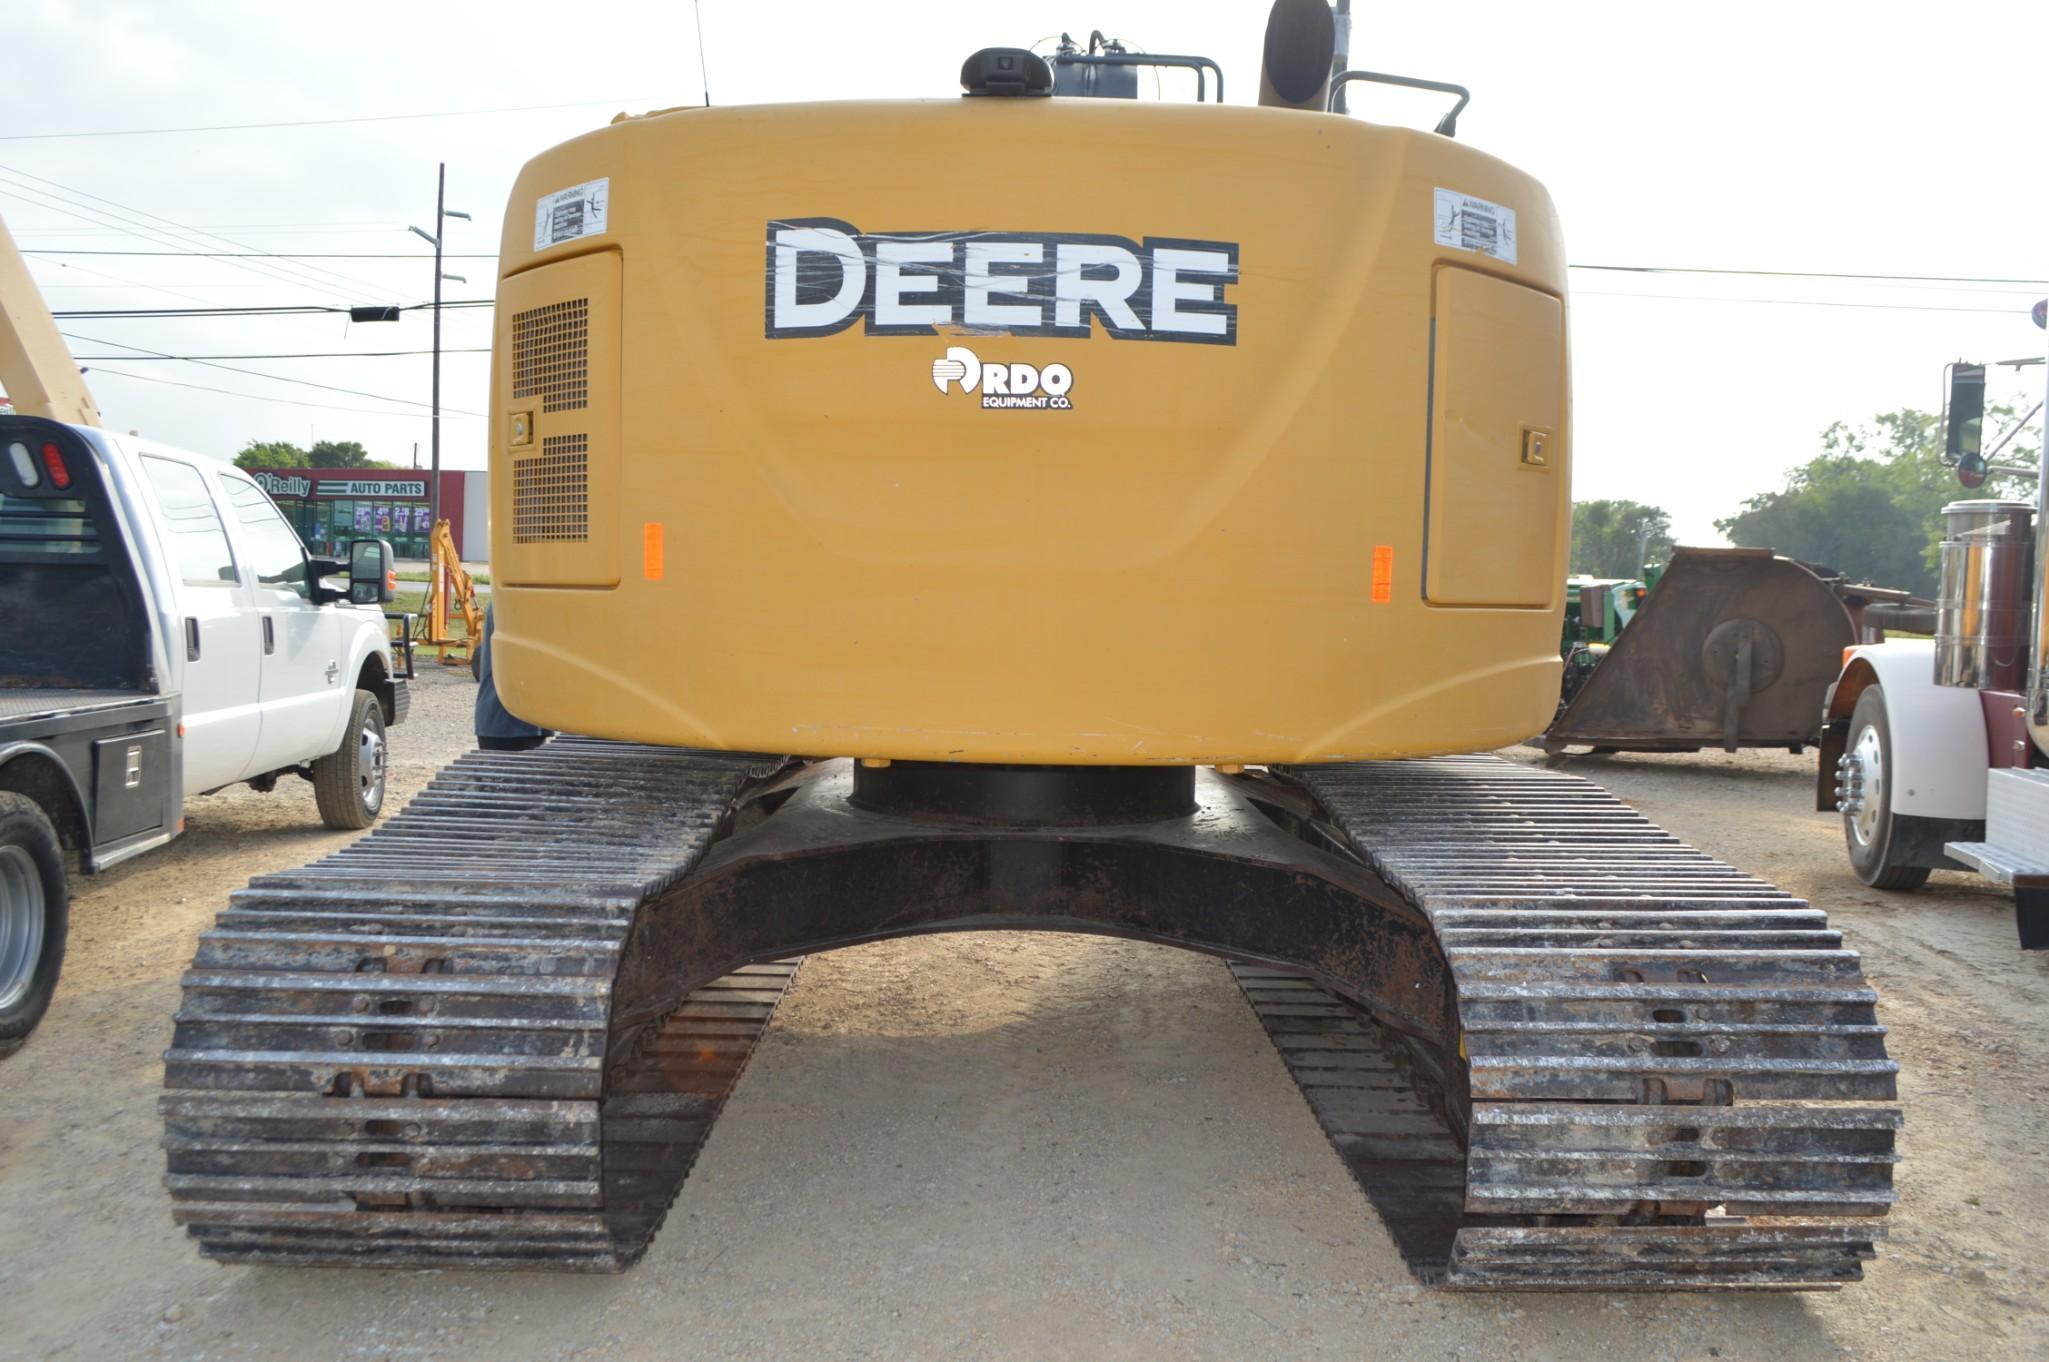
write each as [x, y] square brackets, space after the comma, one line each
[373, 575]
[1964, 423]
[318, 570]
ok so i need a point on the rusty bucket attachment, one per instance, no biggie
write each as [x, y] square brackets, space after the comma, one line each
[1732, 648]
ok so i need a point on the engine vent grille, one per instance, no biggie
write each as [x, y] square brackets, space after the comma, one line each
[551, 492]
[550, 354]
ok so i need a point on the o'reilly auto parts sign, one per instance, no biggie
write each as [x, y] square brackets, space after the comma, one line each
[298, 485]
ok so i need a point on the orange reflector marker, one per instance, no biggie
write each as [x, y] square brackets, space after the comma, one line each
[651, 551]
[1383, 573]
[1846, 655]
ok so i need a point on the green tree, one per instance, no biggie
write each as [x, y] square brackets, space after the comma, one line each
[1870, 504]
[1616, 538]
[271, 454]
[342, 454]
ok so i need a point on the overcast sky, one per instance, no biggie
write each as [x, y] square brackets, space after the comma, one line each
[1883, 138]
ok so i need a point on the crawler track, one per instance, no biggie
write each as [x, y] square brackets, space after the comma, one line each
[1649, 1036]
[1383, 1116]
[399, 1055]
[1637, 1068]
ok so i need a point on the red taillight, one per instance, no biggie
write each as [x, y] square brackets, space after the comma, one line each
[53, 459]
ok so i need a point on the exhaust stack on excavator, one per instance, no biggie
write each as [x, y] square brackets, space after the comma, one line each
[1295, 62]
[920, 549]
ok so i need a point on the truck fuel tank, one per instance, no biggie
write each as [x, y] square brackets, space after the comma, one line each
[1982, 609]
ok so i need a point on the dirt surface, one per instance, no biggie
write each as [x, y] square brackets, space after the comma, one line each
[1011, 1145]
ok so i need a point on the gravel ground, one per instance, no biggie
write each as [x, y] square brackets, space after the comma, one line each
[1011, 1145]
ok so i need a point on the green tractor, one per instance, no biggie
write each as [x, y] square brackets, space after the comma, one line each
[1597, 609]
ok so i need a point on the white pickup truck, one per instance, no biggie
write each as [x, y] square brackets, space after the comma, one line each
[163, 634]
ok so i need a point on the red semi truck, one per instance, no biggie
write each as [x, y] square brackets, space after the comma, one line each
[1936, 753]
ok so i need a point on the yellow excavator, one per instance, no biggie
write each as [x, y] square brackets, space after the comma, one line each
[1034, 510]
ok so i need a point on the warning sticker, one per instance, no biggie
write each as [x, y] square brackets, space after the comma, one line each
[574, 213]
[1469, 224]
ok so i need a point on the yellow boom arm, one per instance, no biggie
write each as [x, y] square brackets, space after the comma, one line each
[37, 371]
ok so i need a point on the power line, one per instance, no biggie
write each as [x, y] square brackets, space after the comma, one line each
[286, 271]
[130, 285]
[1793, 302]
[1616, 269]
[126, 219]
[1810, 274]
[304, 354]
[257, 373]
[308, 309]
[173, 293]
[703, 66]
[258, 397]
[318, 122]
[73, 196]
[146, 234]
[280, 310]
[418, 256]
[123, 280]
[354, 226]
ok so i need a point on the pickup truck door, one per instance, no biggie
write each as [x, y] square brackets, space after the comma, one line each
[303, 692]
[217, 633]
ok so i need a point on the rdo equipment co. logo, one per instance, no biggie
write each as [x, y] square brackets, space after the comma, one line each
[1021, 386]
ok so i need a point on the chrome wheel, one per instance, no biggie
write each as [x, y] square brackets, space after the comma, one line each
[23, 912]
[370, 764]
[1863, 787]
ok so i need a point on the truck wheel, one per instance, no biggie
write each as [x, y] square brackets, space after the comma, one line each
[34, 910]
[1875, 837]
[348, 783]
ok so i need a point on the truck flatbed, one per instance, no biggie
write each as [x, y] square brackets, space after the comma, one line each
[37, 701]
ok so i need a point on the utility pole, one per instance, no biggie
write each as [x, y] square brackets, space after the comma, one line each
[442, 212]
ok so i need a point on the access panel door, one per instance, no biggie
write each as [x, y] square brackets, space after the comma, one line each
[1498, 478]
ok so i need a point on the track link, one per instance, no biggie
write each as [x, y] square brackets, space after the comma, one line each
[1676, 1077]
[399, 1055]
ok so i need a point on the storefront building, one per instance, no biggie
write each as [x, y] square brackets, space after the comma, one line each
[330, 506]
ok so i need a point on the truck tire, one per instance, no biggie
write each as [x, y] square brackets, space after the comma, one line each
[348, 783]
[34, 912]
[1879, 842]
